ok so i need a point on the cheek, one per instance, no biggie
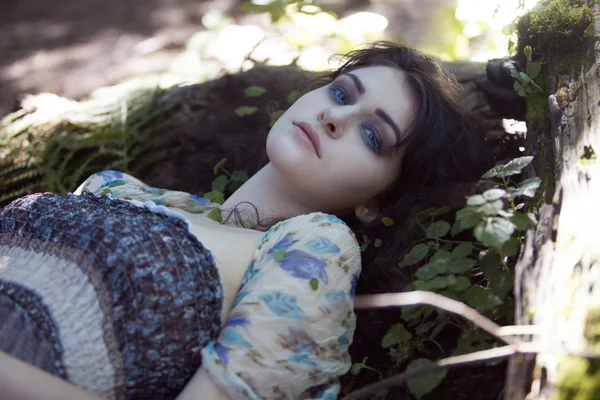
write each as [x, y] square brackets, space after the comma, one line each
[362, 178]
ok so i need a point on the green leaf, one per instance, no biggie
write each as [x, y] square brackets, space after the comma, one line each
[533, 69]
[442, 282]
[462, 283]
[219, 183]
[314, 283]
[279, 255]
[468, 217]
[494, 232]
[425, 213]
[510, 168]
[441, 211]
[462, 250]
[510, 248]
[490, 263]
[425, 327]
[395, 335]
[481, 298]
[293, 96]
[501, 282]
[275, 116]
[245, 111]
[527, 51]
[420, 285]
[476, 200]
[416, 254]
[525, 77]
[473, 341]
[424, 384]
[522, 221]
[427, 272]
[356, 367]
[215, 196]
[233, 186]
[254, 91]
[461, 265]
[517, 87]
[377, 243]
[215, 215]
[219, 165]
[441, 260]
[526, 188]
[493, 194]
[438, 229]
[590, 31]
[491, 208]
[387, 221]
[240, 176]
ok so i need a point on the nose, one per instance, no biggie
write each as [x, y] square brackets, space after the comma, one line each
[334, 120]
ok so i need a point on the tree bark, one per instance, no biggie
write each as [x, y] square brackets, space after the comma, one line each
[557, 286]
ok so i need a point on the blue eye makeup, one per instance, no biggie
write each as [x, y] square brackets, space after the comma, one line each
[339, 95]
[370, 137]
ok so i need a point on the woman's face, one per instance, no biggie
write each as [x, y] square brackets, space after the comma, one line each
[335, 145]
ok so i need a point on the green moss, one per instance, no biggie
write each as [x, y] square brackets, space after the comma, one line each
[554, 27]
[578, 379]
[538, 113]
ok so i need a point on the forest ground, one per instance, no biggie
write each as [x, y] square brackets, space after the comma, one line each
[71, 47]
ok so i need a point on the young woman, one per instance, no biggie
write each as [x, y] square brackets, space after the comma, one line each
[127, 291]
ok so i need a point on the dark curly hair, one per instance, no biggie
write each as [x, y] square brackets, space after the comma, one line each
[445, 150]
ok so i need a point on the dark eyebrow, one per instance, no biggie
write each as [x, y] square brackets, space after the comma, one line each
[357, 83]
[379, 112]
[383, 115]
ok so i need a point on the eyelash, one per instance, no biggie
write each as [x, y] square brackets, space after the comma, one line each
[340, 96]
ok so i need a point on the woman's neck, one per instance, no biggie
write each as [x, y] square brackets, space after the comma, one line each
[268, 194]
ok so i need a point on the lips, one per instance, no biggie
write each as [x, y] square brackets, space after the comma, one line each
[312, 135]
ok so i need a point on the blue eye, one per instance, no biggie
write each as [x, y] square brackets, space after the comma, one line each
[339, 95]
[371, 138]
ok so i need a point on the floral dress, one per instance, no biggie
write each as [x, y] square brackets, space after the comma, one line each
[288, 333]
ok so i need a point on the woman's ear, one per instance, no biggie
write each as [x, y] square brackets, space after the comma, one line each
[367, 212]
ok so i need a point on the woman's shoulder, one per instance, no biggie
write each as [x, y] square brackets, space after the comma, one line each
[124, 186]
[317, 233]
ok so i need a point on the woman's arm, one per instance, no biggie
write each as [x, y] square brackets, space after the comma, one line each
[22, 381]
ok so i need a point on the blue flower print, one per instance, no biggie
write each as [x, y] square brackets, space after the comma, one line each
[250, 273]
[237, 321]
[330, 393]
[302, 358]
[230, 338]
[353, 285]
[239, 298]
[302, 265]
[299, 341]
[343, 341]
[110, 175]
[323, 246]
[198, 199]
[285, 243]
[283, 305]
[337, 299]
[153, 190]
[112, 183]
[221, 351]
[333, 219]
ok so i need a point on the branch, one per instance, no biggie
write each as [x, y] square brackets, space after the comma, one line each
[436, 300]
[466, 360]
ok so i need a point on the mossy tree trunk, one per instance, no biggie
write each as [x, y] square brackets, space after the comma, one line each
[558, 274]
